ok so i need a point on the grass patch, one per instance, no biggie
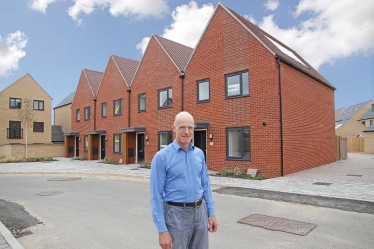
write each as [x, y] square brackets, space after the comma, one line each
[4, 159]
[238, 173]
[107, 160]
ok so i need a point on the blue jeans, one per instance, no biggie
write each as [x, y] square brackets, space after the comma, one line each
[188, 226]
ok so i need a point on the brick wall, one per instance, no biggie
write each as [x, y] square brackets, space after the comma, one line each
[33, 150]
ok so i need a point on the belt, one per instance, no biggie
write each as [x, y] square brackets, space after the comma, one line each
[183, 204]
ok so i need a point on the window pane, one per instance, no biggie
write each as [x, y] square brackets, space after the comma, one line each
[233, 85]
[163, 99]
[103, 110]
[163, 140]
[117, 107]
[204, 90]
[78, 115]
[117, 142]
[142, 102]
[246, 143]
[245, 83]
[41, 105]
[85, 143]
[36, 106]
[234, 143]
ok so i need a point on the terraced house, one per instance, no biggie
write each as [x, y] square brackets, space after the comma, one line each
[256, 103]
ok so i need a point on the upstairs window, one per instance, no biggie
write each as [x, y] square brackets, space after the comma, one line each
[237, 143]
[15, 103]
[39, 105]
[203, 90]
[103, 110]
[237, 84]
[38, 127]
[77, 115]
[117, 107]
[87, 113]
[141, 102]
[363, 122]
[164, 139]
[165, 98]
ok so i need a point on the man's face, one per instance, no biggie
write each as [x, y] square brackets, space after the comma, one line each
[183, 129]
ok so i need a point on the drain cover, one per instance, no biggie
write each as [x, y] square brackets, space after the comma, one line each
[135, 169]
[49, 193]
[322, 183]
[278, 224]
[354, 175]
[65, 179]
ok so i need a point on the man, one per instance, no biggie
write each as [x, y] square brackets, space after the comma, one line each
[181, 197]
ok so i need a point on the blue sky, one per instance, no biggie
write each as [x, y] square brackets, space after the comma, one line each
[53, 40]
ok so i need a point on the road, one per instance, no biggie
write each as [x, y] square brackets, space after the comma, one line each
[93, 212]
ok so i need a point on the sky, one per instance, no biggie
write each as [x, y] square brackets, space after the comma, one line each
[54, 40]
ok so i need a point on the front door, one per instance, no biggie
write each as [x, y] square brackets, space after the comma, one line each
[140, 147]
[76, 146]
[200, 141]
[102, 146]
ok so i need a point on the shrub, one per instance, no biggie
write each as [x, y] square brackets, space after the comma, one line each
[82, 158]
[145, 164]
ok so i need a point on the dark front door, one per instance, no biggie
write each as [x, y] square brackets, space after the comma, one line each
[102, 146]
[140, 146]
[76, 146]
[200, 141]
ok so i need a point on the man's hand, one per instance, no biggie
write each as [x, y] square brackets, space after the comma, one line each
[213, 224]
[165, 240]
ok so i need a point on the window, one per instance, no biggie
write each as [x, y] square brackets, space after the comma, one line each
[165, 98]
[117, 106]
[203, 90]
[85, 143]
[103, 110]
[141, 102]
[15, 103]
[39, 105]
[363, 122]
[38, 127]
[14, 130]
[237, 84]
[371, 122]
[164, 139]
[87, 113]
[237, 143]
[77, 115]
[117, 143]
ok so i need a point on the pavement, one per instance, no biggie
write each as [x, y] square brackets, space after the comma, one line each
[348, 183]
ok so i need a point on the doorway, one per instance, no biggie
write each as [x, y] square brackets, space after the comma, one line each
[76, 146]
[140, 147]
[102, 147]
[200, 141]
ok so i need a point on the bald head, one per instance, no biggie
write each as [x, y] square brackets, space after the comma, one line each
[183, 117]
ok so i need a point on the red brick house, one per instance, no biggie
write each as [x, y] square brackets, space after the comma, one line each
[256, 103]
[78, 142]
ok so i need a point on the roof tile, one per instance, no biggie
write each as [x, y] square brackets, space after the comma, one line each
[126, 67]
[94, 80]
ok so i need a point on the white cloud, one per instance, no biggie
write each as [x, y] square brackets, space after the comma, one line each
[188, 24]
[250, 18]
[11, 52]
[40, 5]
[136, 8]
[334, 29]
[272, 4]
[143, 44]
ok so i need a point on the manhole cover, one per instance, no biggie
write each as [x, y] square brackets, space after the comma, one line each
[135, 169]
[49, 193]
[354, 175]
[278, 224]
[322, 183]
[65, 179]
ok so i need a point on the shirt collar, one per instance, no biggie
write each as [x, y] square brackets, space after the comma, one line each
[177, 146]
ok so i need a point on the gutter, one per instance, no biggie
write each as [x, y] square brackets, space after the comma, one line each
[128, 108]
[182, 77]
[94, 114]
[281, 114]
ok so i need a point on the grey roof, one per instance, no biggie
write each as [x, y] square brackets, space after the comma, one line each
[94, 80]
[126, 67]
[338, 111]
[57, 133]
[368, 114]
[351, 111]
[68, 100]
[341, 123]
[178, 53]
[280, 50]
[370, 128]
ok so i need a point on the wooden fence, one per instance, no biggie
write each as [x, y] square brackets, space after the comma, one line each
[356, 144]
[341, 148]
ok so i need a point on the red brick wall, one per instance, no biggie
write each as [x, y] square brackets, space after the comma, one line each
[83, 98]
[155, 72]
[112, 87]
[308, 121]
[227, 47]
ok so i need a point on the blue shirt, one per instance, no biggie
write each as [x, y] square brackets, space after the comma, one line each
[180, 176]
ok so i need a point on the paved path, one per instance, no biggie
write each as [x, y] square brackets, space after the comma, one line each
[351, 179]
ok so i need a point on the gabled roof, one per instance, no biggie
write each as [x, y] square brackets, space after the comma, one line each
[370, 128]
[339, 111]
[68, 100]
[351, 111]
[94, 80]
[368, 114]
[178, 53]
[278, 49]
[126, 67]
